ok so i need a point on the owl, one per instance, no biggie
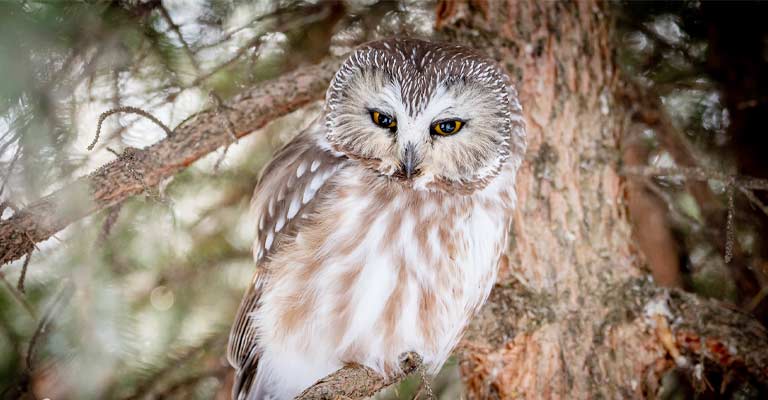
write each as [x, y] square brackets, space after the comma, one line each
[381, 226]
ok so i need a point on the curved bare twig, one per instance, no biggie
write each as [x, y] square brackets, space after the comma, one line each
[131, 110]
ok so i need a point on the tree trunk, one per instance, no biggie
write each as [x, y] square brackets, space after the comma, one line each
[573, 315]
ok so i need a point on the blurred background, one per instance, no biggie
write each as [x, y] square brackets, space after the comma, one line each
[136, 301]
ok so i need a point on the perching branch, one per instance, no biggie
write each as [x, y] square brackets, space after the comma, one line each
[358, 382]
[193, 139]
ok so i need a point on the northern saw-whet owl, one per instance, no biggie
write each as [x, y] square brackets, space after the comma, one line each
[381, 226]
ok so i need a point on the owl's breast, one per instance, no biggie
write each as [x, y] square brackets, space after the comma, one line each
[377, 271]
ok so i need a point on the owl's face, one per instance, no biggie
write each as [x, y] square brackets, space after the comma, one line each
[432, 116]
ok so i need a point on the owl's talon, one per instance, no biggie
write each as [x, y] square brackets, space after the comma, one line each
[410, 361]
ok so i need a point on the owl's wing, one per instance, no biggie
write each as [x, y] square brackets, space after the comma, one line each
[288, 186]
[284, 194]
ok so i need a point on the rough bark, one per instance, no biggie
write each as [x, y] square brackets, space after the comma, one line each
[137, 170]
[573, 316]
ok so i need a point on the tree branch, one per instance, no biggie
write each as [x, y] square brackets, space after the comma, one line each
[358, 382]
[193, 139]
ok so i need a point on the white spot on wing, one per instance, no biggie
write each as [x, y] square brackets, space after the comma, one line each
[314, 166]
[317, 181]
[268, 242]
[294, 207]
[308, 194]
[301, 169]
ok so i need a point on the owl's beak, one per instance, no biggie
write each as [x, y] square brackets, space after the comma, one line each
[410, 160]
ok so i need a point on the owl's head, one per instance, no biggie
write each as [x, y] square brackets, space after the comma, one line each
[435, 116]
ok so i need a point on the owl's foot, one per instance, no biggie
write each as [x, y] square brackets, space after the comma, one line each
[410, 361]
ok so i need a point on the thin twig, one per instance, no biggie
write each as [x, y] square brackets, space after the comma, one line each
[18, 296]
[116, 89]
[23, 275]
[229, 35]
[109, 221]
[221, 112]
[65, 291]
[129, 123]
[10, 170]
[175, 28]
[671, 205]
[300, 12]
[729, 228]
[699, 174]
[757, 299]
[255, 41]
[127, 109]
[239, 53]
[754, 200]
[424, 386]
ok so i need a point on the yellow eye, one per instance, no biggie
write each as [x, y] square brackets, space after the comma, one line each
[447, 127]
[383, 120]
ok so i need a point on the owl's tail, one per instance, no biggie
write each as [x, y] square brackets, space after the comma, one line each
[247, 384]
